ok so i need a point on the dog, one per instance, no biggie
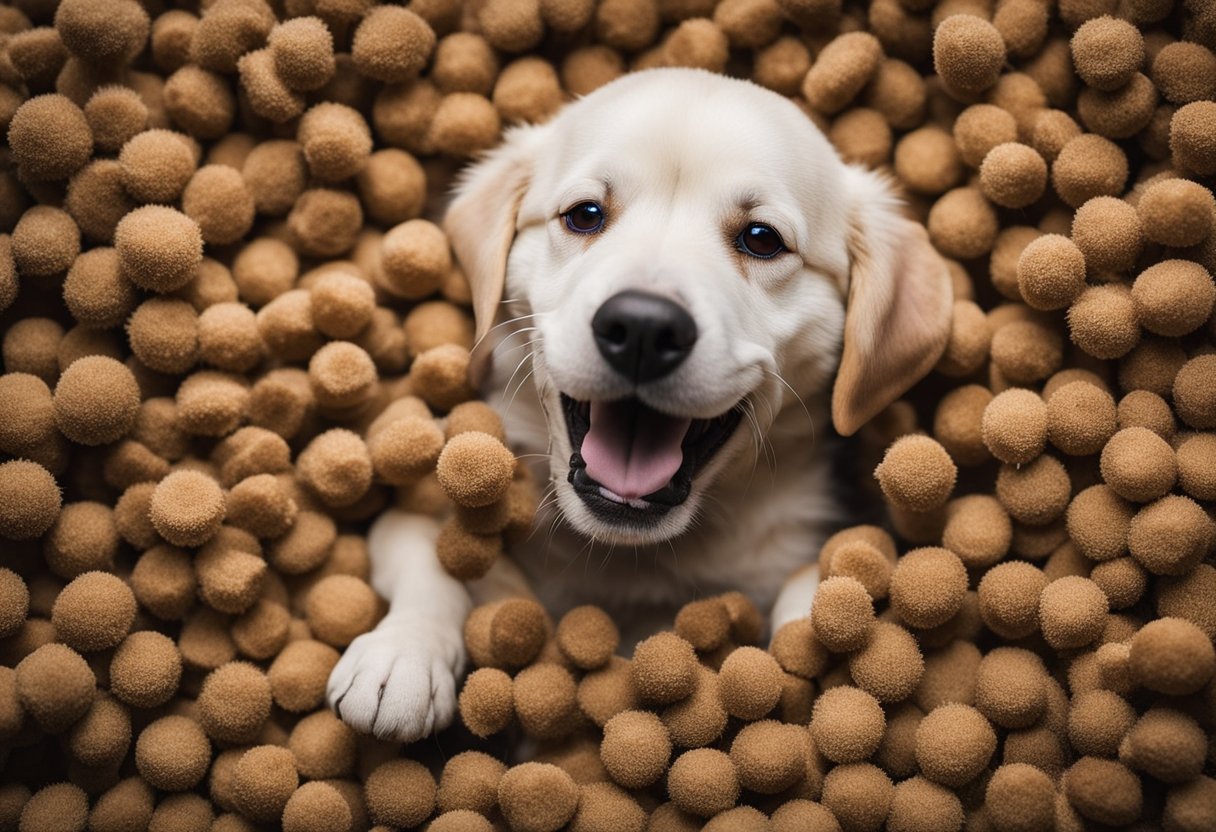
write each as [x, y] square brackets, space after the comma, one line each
[691, 280]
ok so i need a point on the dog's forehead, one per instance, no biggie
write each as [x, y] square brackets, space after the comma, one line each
[667, 122]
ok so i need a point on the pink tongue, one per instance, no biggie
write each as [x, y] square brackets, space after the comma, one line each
[631, 450]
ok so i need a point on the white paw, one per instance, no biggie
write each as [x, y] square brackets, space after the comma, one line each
[399, 681]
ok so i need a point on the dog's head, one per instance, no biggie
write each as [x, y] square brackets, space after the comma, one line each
[692, 253]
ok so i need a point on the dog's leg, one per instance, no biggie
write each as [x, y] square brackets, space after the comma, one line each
[399, 681]
[794, 600]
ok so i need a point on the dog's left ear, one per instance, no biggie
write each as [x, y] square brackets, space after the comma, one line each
[899, 305]
[480, 223]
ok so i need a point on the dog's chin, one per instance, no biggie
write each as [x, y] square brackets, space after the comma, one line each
[669, 505]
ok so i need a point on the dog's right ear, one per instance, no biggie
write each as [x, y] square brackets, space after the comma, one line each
[480, 223]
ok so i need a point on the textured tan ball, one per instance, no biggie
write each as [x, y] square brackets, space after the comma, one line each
[146, 669]
[537, 797]
[299, 673]
[1089, 166]
[1020, 798]
[217, 198]
[840, 71]
[263, 782]
[303, 52]
[1013, 175]
[703, 782]
[1081, 417]
[29, 499]
[55, 686]
[859, 795]
[954, 743]
[486, 701]
[770, 756]
[96, 400]
[750, 683]
[475, 469]
[156, 165]
[1010, 687]
[1103, 791]
[234, 702]
[316, 807]
[1176, 212]
[1107, 52]
[50, 137]
[93, 612]
[187, 508]
[173, 753]
[1191, 137]
[917, 473]
[158, 247]
[842, 614]
[1109, 233]
[340, 608]
[968, 53]
[59, 806]
[927, 586]
[635, 748]
[414, 258]
[1139, 465]
[1051, 272]
[1172, 656]
[963, 224]
[1173, 297]
[588, 637]
[847, 724]
[663, 668]
[1014, 426]
[1072, 612]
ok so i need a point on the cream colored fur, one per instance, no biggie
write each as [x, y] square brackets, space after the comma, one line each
[844, 322]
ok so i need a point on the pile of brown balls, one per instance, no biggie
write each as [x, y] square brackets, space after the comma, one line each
[232, 333]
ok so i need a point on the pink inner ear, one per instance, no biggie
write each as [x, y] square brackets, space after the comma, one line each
[897, 323]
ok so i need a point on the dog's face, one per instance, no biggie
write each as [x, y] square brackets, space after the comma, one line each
[682, 247]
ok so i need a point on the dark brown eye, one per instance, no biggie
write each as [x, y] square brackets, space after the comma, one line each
[760, 240]
[585, 218]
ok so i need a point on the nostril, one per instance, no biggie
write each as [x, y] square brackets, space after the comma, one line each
[643, 336]
[617, 334]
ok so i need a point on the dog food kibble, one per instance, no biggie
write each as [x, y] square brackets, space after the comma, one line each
[234, 702]
[847, 724]
[93, 612]
[537, 797]
[1009, 598]
[1051, 272]
[927, 587]
[663, 668]
[158, 247]
[1014, 426]
[917, 473]
[635, 749]
[750, 683]
[842, 614]
[954, 743]
[55, 686]
[49, 137]
[263, 781]
[859, 795]
[588, 637]
[173, 753]
[187, 508]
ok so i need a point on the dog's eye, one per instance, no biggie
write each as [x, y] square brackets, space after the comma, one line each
[760, 240]
[585, 218]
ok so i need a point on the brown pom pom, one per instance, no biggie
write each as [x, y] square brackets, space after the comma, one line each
[217, 198]
[954, 743]
[980, 128]
[93, 612]
[50, 137]
[1178, 213]
[1010, 687]
[963, 224]
[475, 469]
[156, 165]
[1020, 798]
[663, 668]
[1051, 272]
[841, 70]
[315, 807]
[847, 724]
[859, 795]
[1089, 166]
[635, 749]
[1009, 599]
[336, 141]
[1172, 656]
[1081, 417]
[303, 52]
[234, 702]
[1014, 426]
[916, 473]
[324, 222]
[159, 248]
[1165, 744]
[464, 123]
[414, 259]
[57, 806]
[470, 783]
[1171, 535]
[588, 637]
[1013, 175]
[968, 53]
[163, 333]
[145, 670]
[55, 686]
[187, 508]
[1194, 393]
[970, 339]
[927, 161]
[750, 683]
[96, 400]
[1173, 297]
[769, 756]
[1072, 612]
[340, 608]
[1103, 791]
[537, 797]
[299, 673]
[1190, 137]
[703, 782]
[1107, 52]
[487, 702]
[890, 666]
[957, 423]
[842, 615]
[173, 753]
[918, 805]
[275, 173]
[263, 781]
[927, 586]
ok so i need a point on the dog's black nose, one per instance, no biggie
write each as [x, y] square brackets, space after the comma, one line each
[643, 336]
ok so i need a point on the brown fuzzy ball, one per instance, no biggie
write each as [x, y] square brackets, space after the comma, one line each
[1014, 426]
[1072, 612]
[173, 753]
[1026, 351]
[635, 749]
[96, 400]
[59, 806]
[1184, 72]
[27, 413]
[1013, 175]
[663, 668]
[55, 686]
[163, 334]
[698, 43]
[336, 141]
[968, 53]
[470, 783]
[1089, 166]
[156, 165]
[918, 805]
[847, 724]
[93, 612]
[275, 172]
[1102, 321]
[45, 242]
[234, 702]
[487, 702]
[890, 666]
[927, 586]
[414, 258]
[587, 637]
[842, 614]
[1176, 212]
[315, 807]
[340, 608]
[963, 224]
[95, 291]
[1011, 687]
[1171, 535]
[324, 222]
[1194, 393]
[475, 469]
[841, 70]
[927, 160]
[917, 473]
[1051, 272]
[1103, 791]
[392, 186]
[1081, 417]
[303, 52]
[158, 247]
[263, 781]
[703, 782]
[146, 669]
[1173, 297]
[1009, 599]
[299, 673]
[957, 424]
[1190, 137]
[1020, 798]
[49, 137]
[628, 25]
[979, 129]
[1139, 465]
[1107, 52]
[464, 123]
[217, 198]
[1166, 744]
[187, 508]
[1051, 130]
[537, 797]
[1172, 656]
[750, 683]
[954, 743]
[859, 795]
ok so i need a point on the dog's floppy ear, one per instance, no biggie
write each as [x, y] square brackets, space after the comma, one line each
[899, 305]
[480, 223]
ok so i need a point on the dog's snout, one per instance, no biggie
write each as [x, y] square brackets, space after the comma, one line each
[643, 336]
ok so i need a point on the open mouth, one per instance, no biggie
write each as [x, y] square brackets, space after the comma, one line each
[633, 462]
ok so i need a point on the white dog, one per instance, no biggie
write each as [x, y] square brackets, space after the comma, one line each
[686, 263]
